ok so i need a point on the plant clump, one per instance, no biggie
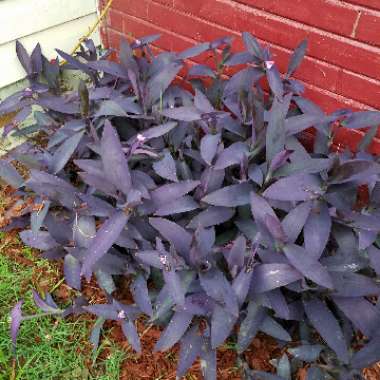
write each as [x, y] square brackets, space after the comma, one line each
[196, 185]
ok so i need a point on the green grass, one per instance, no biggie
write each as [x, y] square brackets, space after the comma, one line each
[47, 348]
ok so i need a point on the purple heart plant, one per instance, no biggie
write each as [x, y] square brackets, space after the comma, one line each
[200, 191]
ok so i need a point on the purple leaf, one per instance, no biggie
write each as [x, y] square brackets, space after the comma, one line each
[236, 255]
[327, 326]
[363, 119]
[44, 305]
[275, 136]
[252, 45]
[297, 57]
[218, 287]
[110, 108]
[10, 175]
[16, 319]
[295, 220]
[37, 217]
[299, 123]
[158, 131]
[243, 80]
[374, 257]
[95, 333]
[103, 241]
[307, 353]
[72, 269]
[275, 81]
[185, 113]
[241, 284]
[191, 346]
[348, 284]
[183, 204]
[174, 233]
[230, 196]
[274, 227]
[150, 257]
[299, 187]
[40, 240]
[355, 170]
[194, 50]
[173, 283]
[211, 216]
[368, 355]
[278, 303]
[308, 265]
[272, 328]
[239, 58]
[279, 159]
[202, 103]
[166, 168]
[114, 161]
[367, 320]
[250, 325]
[109, 67]
[130, 332]
[63, 154]
[232, 155]
[366, 238]
[209, 146]
[24, 58]
[169, 192]
[260, 208]
[106, 311]
[201, 71]
[271, 276]
[84, 230]
[222, 323]
[157, 84]
[174, 331]
[317, 230]
[208, 361]
[139, 290]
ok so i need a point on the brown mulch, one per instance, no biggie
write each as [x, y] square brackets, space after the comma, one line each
[148, 365]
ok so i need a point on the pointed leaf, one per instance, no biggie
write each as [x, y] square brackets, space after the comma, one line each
[174, 331]
[174, 233]
[308, 265]
[72, 269]
[10, 175]
[16, 319]
[212, 216]
[139, 290]
[299, 187]
[114, 161]
[230, 196]
[103, 241]
[183, 204]
[327, 326]
[297, 57]
[131, 334]
[222, 324]
[209, 145]
[166, 168]
[271, 276]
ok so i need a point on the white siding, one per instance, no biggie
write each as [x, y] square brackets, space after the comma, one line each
[53, 23]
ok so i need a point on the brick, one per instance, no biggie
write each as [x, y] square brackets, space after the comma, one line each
[368, 29]
[336, 50]
[346, 53]
[357, 87]
[115, 19]
[328, 15]
[373, 4]
[136, 8]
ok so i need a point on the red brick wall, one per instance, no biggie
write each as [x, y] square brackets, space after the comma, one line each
[342, 67]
